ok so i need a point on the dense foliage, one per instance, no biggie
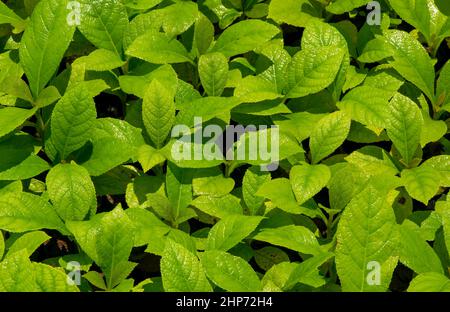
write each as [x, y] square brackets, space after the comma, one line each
[353, 94]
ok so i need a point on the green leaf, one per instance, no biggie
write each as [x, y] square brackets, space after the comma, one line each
[149, 157]
[103, 23]
[415, 252]
[243, 37]
[312, 70]
[29, 242]
[107, 134]
[213, 72]
[100, 60]
[107, 239]
[203, 34]
[158, 48]
[230, 231]
[12, 118]
[298, 238]
[178, 17]
[269, 256]
[181, 270]
[328, 134]
[7, 16]
[179, 188]
[412, 61]
[422, 183]
[17, 274]
[21, 212]
[218, 206]
[443, 85]
[44, 42]
[18, 161]
[342, 6]
[415, 12]
[430, 282]
[442, 164]
[367, 105]
[443, 211]
[293, 12]
[229, 272]
[72, 120]
[2, 245]
[366, 235]
[404, 126]
[307, 180]
[158, 112]
[253, 179]
[71, 191]
[211, 181]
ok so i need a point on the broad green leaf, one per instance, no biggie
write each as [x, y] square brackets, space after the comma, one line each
[415, 12]
[412, 61]
[158, 48]
[404, 126]
[213, 72]
[107, 239]
[230, 231]
[101, 60]
[307, 180]
[342, 6]
[293, 12]
[13, 117]
[244, 36]
[218, 206]
[107, 134]
[253, 179]
[430, 282]
[104, 22]
[312, 70]
[203, 34]
[7, 16]
[181, 270]
[269, 256]
[298, 238]
[149, 157]
[229, 272]
[158, 112]
[277, 64]
[2, 245]
[141, 4]
[376, 50]
[443, 211]
[21, 212]
[422, 183]
[328, 134]
[178, 17]
[44, 42]
[28, 241]
[71, 191]
[211, 181]
[146, 225]
[72, 120]
[367, 240]
[17, 274]
[367, 105]
[179, 188]
[18, 161]
[415, 252]
[443, 85]
[207, 108]
[442, 164]
[49, 279]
